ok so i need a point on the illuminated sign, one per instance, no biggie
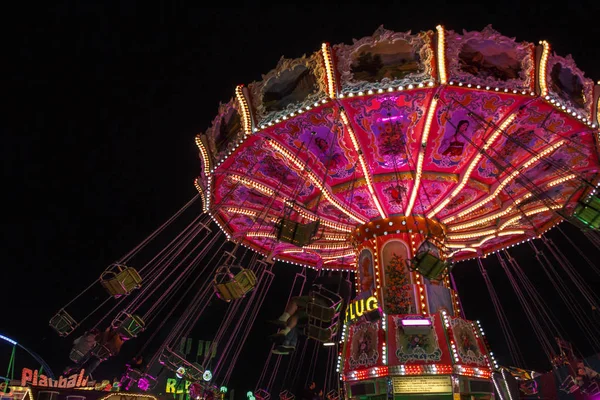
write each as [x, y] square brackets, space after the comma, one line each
[174, 386]
[358, 307]
[422, 384]
[34, 378]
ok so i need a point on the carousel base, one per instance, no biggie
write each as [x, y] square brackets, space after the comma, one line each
[451, 387]
[409, 356]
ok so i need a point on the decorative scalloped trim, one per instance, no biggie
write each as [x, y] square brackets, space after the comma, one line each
[588, 84]
[224, 108]
[525, 50]
[343, 56]
[314, 63]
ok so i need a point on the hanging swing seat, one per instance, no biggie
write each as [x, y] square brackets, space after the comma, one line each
[427, 261]
[63, 323]
[297, 233]
[120, 280]
[133, 374]
[174, 360]
[102, 352]
[429, 265]
[587, 212]
[146, 382]
[262, 394]
[324, 304]
[333, 395]
[128, 325]
[323, 314]
[286, 395]
[232, 286]
[76, 356]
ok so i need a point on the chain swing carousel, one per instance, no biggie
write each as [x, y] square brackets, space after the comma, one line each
[409, 153]
[393, 157]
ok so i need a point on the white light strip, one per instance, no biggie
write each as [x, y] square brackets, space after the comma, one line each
[329, 69]
[510, 208]
[204, 154]
[441, 57]
[315, 181]
[245, 110]
[505, 182]
[363, 165]
[419, 171]
[467, 174]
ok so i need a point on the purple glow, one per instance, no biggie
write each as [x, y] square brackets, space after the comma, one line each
[416, 322]
[143, 384]
[391, 118]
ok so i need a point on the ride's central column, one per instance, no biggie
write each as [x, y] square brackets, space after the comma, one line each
[405, 334]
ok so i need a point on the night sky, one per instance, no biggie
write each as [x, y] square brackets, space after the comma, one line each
[102, 104]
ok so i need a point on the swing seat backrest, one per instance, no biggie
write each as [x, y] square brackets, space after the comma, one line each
[286, 395]
[194, 372]
[319, 334]
[134, 374]
[429, 265]
[130, 326]
[262, 394]
[243, 282]
[120, 280]
[589, 213]
[76, 356]
[102, 352]
[63, 323]
[325, 297]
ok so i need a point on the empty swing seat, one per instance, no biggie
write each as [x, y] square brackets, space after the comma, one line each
[102, 352]
[63, 323]
[429, 265]
[297, 233]
[120, 280]
[133, 374]
[174, 360]
[588, 212]
[333, 395]
[236, 287]
[76, 356]
[262, 394]
[286, 395]
[128, 325]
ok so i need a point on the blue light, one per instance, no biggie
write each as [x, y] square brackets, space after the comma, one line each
[9, 340]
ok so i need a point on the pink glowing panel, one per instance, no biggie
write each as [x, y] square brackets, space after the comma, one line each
[416, 322]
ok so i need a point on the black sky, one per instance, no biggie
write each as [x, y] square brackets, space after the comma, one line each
[103, 100]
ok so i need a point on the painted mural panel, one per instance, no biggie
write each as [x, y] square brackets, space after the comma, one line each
[398, 291]
[386, 58]
[460, 130]
[388, 127]
[318, 139]
[364, 348]
[489, 59]
[365, 271]
[467, 345]
[415, 348]
[293, 84]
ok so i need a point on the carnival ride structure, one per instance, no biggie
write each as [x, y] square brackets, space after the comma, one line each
[392, 158]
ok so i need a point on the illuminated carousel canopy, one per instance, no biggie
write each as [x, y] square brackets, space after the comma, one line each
[490, 140]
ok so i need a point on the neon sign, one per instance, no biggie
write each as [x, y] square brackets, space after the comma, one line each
[37, 379]
[358, 307]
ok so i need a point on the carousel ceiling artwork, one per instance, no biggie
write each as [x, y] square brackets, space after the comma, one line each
[492, 138]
